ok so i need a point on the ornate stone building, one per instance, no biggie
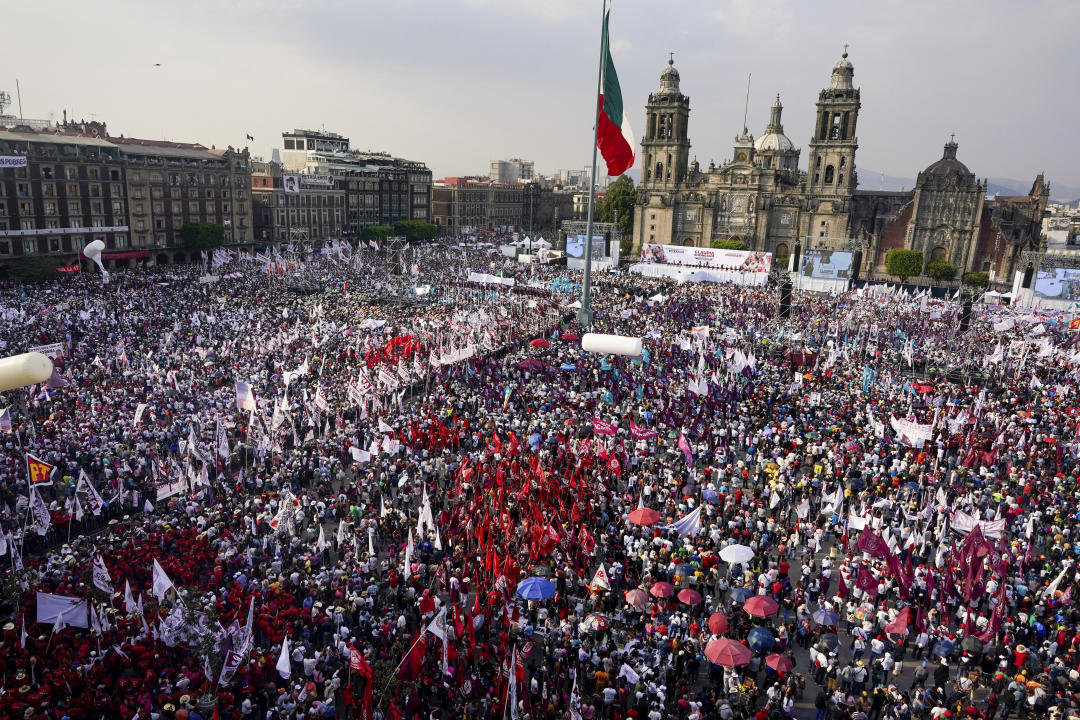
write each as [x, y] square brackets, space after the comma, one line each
[762, 197]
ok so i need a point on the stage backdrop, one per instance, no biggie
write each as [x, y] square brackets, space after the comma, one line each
[741, 260]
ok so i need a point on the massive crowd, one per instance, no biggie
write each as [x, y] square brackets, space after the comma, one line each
[269, 502]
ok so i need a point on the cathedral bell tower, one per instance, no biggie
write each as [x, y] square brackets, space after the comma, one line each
[665, 149]
[833, 145]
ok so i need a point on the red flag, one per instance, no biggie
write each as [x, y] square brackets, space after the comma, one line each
[842, 590]
[900, 624]
[865, 581]
[870, 542]
[414, 661]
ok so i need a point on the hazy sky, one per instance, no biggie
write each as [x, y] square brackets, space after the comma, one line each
[457, 83]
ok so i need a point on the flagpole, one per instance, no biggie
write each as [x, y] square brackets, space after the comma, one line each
[585, 313]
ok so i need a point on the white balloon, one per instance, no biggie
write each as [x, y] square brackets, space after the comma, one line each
[93, 250]
[611, 344]
[22, 370]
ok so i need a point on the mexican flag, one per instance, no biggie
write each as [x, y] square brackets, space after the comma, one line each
[613, 135]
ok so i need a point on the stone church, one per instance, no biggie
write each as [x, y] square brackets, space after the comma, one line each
[764, 199]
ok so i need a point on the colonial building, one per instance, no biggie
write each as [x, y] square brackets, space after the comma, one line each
[60, 191]
[464, 205]
[763, 198]
[379, 189]
[309, 208]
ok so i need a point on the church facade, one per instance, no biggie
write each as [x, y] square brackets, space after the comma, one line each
[763, 198]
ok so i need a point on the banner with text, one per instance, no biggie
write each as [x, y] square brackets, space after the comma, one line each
[740, 260]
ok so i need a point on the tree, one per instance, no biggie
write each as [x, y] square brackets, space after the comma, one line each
[202, 236]
[618, 202]
[904, 263]
[941, 270]
[415, 230]
[375, 232]
[33, 268]
[977, 279]
[721, 244]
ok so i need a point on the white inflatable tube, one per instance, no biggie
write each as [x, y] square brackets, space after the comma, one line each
[21, 370]
[611, 344]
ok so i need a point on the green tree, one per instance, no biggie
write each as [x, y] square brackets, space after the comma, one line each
[618, 202]
[202, 236]
[977, 279]
[941, 270]
[375, 232]
[721, 244]
[33, 268]
[904, 263]
[415, 230]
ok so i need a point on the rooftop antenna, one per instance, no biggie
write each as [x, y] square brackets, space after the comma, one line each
[18, 92]
[746, 107]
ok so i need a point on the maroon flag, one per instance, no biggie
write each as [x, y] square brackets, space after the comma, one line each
[899, 626]
[870, 542]
[684, 445]
[842, 590]
[866, 581]
[602, 427]
[996, 616]
[639, 433]
[414, 661]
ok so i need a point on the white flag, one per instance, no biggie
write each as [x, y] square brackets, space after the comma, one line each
[93, 499]
[162, 583]
[284, 662]
[139, 410]
[600, 579]
[408, 557]
[245, 398]
[102, 579]
[42, 520]
[129, 599]
[384, 428]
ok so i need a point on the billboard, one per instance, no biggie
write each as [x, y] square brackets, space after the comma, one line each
[737, 260]
[826, 264]
[575, 247]
[1058, 284]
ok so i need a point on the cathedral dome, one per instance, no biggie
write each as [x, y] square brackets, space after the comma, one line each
[948, 165]
[773, 141]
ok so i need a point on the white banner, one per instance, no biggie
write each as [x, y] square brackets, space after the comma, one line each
[51, 351]
[291, 183]
[741, 260]
[73, 609]
[963, 523]
[12, 161]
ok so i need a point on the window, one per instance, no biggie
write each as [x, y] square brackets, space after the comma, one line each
[114, 174]
[75, 223]
[290, 145]
[50, 208]
[139, 209]
[193, 207]
[71, 172]
[46, 172]
[159, 223]
[52, 224]
[26, 207]
[27, 224]
[193, 193]
[117, 207]
[74, 207]
[114, 189]
[134, 177]
[829, 174]
[174, 193]
[209, 194]
[54, 244]
[156, 193]
[140, 225]
[22, 189]
[5, 247]
[155, 177]
[840, 179]
[93, 173]
[28, 246]
[121, 240]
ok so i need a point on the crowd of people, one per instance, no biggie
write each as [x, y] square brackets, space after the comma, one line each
[244, 497]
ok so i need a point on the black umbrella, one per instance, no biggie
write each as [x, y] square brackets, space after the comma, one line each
[827, 642]
[971, 645]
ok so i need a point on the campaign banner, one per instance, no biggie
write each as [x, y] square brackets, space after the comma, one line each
[74, 610]
[963, 523]
[69, 268]
[12, 161]
[51, 351]
[736, 260]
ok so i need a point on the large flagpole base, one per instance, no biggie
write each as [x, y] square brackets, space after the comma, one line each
[585, 317]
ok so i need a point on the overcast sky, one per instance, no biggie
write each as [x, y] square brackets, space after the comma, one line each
[457, 83]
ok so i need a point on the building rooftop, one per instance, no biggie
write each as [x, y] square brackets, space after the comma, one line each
[22, 134]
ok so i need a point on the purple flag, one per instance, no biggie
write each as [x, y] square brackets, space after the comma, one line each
[870, 542]
[602, 427]
[684, 445]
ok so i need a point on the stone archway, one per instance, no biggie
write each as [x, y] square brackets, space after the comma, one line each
[781, 250]
[161, 259]
[939, 253]
[179, 258]
[688, 242]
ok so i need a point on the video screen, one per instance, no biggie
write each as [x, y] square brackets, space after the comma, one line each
[827, 264]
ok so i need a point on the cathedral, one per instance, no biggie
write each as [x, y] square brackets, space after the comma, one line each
[762, 198]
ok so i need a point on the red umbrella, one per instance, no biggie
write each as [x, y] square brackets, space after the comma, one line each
[644, 516]
[779, 663]
[539, 342]
[761, 606]
[662, 589]
[636, 598]
[718, 623]
[690, 597]
[569, 336]
[727, 652]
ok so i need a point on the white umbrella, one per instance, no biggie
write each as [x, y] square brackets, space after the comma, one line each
[736, 554]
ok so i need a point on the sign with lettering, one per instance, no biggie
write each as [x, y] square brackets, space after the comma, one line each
[12, 161]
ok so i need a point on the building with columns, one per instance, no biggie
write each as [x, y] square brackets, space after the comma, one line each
[762, 197]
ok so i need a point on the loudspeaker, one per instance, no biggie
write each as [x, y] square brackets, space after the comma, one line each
[965, 313]
[1029, 272]
[785, 298]
[795, 258]
[856, 265]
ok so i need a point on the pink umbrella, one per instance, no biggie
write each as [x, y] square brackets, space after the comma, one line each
[718, 623]
[727, 652]
[690, 597]
[779, 663]
[644, 516]
[761, 606]
[636, 598]
[662, 589]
